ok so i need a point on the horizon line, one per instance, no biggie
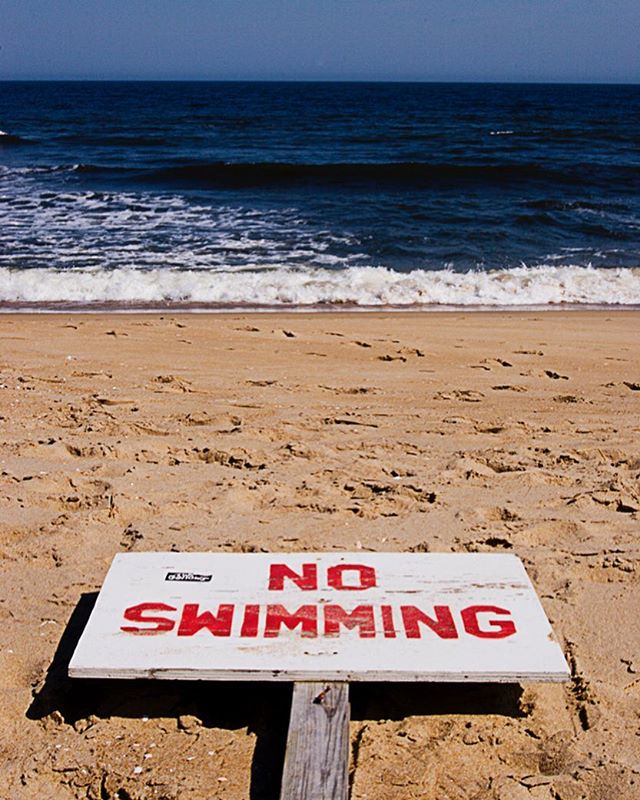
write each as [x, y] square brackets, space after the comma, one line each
[530, 82]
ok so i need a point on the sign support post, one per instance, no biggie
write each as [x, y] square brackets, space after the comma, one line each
[316, 765]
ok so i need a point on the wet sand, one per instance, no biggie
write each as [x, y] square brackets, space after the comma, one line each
[478, 432]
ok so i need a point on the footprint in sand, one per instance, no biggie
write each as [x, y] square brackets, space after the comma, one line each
[509, 388]
[496, 514]
[348, 421]
[489, 428]
[465, 395]
[392, 358]
[224, 423]
[349, 389]
[411, 351]
[171, 383]
[108, 401]
[501, 361]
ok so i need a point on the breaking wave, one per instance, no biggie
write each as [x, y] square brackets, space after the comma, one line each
[355, 287]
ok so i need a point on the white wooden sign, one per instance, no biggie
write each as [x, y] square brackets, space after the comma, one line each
[318, 616]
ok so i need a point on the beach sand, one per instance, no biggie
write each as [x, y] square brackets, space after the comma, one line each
[478, 432]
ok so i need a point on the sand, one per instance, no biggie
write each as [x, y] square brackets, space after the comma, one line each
[512, 432]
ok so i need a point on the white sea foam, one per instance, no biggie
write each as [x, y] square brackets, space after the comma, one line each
[115, 229]
[359, 286]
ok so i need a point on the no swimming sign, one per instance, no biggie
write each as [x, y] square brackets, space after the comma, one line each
[318, 617]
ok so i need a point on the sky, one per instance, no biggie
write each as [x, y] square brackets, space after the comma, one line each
[413, 40]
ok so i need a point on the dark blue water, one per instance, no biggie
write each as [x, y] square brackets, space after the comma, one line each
[234, 182]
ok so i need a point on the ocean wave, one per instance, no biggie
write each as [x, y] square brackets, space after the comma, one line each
[390, 174]
[38, 170]
[370, 175]
[115, 140]
[113, 230]
[10, 138]
[553, 204]
[357, 286]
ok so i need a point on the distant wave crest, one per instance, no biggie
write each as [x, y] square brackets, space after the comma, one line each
[392, 174]
[378, 175]
[10, 138]
[356, 287]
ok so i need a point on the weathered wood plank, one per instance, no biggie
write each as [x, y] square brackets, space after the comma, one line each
[316, 765]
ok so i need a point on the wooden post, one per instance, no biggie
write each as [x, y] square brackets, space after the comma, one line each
[316, 764]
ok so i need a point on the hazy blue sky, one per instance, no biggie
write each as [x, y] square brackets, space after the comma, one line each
[520, 40]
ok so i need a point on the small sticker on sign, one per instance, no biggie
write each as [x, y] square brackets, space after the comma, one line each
[187, 576]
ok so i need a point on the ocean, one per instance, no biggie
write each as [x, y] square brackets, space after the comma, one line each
[318, 195]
